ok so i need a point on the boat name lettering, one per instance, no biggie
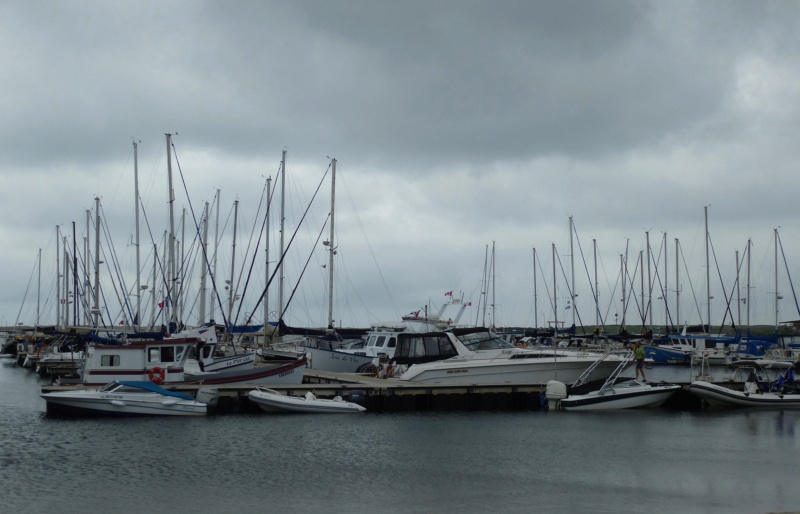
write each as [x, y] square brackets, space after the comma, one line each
[286, 373]
[112, 396]
[453, 371]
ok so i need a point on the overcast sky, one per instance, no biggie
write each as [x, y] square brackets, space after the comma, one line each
[457, 126]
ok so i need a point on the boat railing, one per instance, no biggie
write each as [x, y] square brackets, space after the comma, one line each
[612, 378]
[584, 377]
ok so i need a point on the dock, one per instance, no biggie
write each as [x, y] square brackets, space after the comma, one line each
[387, 395]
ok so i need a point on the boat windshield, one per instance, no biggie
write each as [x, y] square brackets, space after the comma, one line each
[483, 341]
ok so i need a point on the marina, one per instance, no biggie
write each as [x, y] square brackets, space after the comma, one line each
[655, 460]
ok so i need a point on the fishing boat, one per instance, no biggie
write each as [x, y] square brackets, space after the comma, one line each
[163, 362]
[124, 398]
[272, 401]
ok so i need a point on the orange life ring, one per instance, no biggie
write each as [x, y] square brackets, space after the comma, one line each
[157, 375]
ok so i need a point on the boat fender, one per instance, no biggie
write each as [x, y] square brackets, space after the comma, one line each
[310, 396]
[157, 374]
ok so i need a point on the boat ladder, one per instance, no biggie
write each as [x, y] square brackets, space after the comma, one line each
[585, 375]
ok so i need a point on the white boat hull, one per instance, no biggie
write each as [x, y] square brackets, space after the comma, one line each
[335, 361]
[506, 371]
[621, 396]
[95, 402]
[272, 401]
[725, 397]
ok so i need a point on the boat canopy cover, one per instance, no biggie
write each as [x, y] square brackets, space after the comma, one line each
[150, 386]
[416, 348]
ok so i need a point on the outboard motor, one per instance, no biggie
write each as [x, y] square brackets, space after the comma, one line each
[208, 395]
[555, 392]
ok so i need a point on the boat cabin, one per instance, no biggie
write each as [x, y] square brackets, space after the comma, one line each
[157, 361]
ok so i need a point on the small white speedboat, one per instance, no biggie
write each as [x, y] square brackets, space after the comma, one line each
[630, 394]
[271, 400]
[124, 398]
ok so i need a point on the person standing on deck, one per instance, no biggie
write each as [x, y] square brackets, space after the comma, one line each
[638, 356]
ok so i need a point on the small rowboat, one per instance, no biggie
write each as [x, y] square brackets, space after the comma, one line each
[271, 401]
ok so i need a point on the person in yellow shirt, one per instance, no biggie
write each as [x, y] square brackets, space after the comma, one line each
[638, 356]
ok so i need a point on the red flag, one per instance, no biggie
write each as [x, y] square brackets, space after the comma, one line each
[449, 293]
[324, 265]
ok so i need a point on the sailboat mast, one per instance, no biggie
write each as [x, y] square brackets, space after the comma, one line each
[535, 296]
[747, 295]
[649, 304]
[96, 305]
[572, 269]
[266, 259]
[555, 295]
[494, 298]
[65, 321]
[677, 285]
[231, 291]
[738, 291]
[214, 266]
[596, 287]
[75, 294]
[331, 247]
[708, 274]
[485, 285]
[58, 276]
[86, 260]
[204, 268]
[135, 321]
[39, 289]
[777, 295]
[666, 286]
[171, 243]
[283, 221]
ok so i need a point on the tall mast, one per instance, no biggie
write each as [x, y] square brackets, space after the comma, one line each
[96, 305]
[666, 286]
[649, 311]
[136, 321]
[86, 260]
[204, 268]
[494, 298]
[747, 294]
[283, 222]
[555, 296]
[572, 269]
[154, 289]
[777, 294]
[738, 292]
[485, 287]
[58, 276]
[231, 290]
[65, 321]
[596, 287]
[182, 269]
[75, 294]
[708, 274]
[677, 286]
[535, 296]
[214, 265]
[331, 247]
[171, 242]
[266, 259]
[39, 290]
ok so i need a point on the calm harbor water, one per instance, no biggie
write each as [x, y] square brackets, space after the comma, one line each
[654, 461]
